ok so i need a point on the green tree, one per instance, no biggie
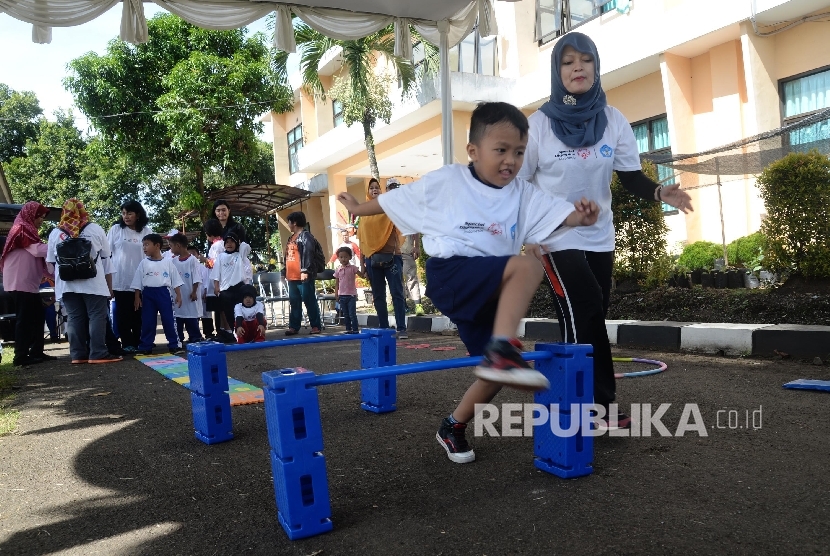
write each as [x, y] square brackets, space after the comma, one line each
[20, 113]
[61, 164]
[363, 92]
[796, 193]
[640, 234]
[184, 103]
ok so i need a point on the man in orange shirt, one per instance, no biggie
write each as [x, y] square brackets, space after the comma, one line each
[299, 254]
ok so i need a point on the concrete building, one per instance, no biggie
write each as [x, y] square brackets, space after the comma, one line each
[689, 75]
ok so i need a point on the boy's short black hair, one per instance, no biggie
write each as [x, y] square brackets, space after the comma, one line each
[155, 239]
[193, 247]
[491, 113]
[345, 249]
[248, 290]
[297, 218]
[179, 239]
[213, 227]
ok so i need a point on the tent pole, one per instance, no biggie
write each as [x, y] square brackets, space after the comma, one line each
[722, 225]
[446, 92]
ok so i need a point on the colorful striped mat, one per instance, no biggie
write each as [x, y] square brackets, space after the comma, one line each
[174, 368]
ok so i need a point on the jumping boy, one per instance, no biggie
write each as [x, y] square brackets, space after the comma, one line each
[190, 311]
[474, 220]
[249, 317]
[153, 280]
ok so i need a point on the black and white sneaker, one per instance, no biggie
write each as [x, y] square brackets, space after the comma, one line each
[451, 437]
[503, 364]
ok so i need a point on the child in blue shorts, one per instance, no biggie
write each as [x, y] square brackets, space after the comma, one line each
[474, 220]
[153, 280]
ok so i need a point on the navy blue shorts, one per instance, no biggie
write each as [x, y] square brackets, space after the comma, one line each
[466, 289]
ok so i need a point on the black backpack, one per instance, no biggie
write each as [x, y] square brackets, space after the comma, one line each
[318, 261]
[74, 258]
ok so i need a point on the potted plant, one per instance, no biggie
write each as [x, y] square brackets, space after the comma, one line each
[706, 278]
[694, 276]
[681, 276]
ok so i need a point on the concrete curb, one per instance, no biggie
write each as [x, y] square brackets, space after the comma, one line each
[805, 341]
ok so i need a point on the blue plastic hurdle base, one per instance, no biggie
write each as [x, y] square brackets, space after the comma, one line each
[807, 384]
[378, 395]
[571, 375]
[212, 418]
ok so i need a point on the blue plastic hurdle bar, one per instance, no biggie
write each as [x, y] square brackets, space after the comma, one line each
[295, 433]
[208, 370]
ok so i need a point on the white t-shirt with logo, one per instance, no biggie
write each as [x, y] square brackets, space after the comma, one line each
[190, 272]
[230, 269]
[571, 174]
[93, 286]
[127, 252]
[248, 313]
[156, 274]
[459, 215]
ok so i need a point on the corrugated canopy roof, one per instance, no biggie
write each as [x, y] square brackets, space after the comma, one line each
[257, 199]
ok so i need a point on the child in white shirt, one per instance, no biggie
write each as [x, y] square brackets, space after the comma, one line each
[188, 315]
[250, 317]
[230, 273]
[152, 282]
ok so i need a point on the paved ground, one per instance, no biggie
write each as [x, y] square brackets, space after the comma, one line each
[105, 462]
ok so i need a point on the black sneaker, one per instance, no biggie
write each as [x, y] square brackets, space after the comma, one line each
[451, 438]
[503, 364]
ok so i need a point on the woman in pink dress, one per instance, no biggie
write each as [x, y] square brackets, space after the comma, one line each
[23, 264]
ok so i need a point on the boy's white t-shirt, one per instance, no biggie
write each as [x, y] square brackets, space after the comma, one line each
[216, 249]
[156, 274]
[93, 286]
[248, 313]
[190, 273]
[230, 269]
[127, 252]
[459, 215]
[571, 174]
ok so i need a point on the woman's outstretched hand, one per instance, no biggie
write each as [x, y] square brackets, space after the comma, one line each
[676, 197]
[347, 200]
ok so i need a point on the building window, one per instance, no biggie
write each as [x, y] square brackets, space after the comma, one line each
[557, 17]
[295, 144]
[652, 137]
[475, 54]
[802, 97]
[337, 109]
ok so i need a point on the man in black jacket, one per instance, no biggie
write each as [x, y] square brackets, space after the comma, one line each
[299, 254]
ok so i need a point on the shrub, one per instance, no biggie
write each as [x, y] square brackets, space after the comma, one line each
[640, 234]
[796, 193]
[700, 254]
[745, 249]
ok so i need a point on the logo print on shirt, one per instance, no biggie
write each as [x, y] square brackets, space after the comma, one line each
[513, 231]
[165, 274]
[584, 153]
[495, 229]
[606, 151]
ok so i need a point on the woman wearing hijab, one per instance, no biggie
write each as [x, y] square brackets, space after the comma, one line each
[23, 264]
[575, 143]
[380, 243]
[124, 240]
[222, 212]
[85, 299]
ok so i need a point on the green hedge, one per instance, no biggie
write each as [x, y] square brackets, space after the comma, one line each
[796, 192]
[700, 254]
[745, 250]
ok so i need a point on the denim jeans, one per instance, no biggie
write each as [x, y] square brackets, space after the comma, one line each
[86, 325]
[348, 306]
[378, 278]
[300, 293]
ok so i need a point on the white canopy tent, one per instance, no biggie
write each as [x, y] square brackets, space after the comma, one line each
[442, 22]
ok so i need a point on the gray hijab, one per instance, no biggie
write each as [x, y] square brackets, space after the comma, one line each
[577, 120]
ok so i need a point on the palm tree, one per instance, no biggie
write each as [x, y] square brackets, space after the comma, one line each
[362, 92]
